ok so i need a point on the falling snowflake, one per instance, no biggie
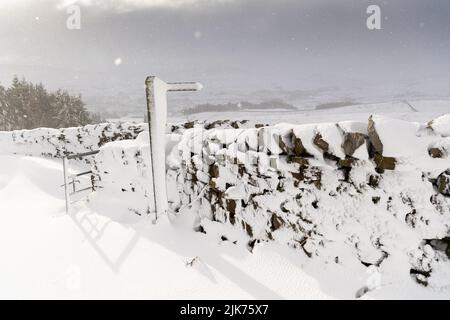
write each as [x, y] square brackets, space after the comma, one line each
[197, 35]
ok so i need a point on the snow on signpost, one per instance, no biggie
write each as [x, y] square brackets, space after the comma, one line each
[156, 91]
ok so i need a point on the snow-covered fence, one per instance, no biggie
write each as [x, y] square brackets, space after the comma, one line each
[374, 188]
[217, 158]
[58, 143]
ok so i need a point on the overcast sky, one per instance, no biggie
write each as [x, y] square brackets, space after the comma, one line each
[229, 45]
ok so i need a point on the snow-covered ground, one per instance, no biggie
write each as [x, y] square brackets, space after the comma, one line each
[47, 254]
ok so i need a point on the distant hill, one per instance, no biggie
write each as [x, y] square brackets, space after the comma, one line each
[238, 106]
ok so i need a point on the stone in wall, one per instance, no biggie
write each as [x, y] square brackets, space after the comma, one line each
[352, 142]
[443, 183]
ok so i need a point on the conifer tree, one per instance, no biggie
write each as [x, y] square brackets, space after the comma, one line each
[25, 105]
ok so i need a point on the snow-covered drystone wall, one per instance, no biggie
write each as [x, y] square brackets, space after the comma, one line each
[56, 143]
[375, 193]
[67, 141]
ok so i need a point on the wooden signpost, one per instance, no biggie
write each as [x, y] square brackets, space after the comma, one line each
[156, 91]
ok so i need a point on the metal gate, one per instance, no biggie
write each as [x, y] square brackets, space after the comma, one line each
[70, 181]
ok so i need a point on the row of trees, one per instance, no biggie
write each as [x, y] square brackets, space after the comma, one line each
[25, 105]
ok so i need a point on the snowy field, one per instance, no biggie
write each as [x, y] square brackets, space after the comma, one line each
[420, 110]
[90, 254]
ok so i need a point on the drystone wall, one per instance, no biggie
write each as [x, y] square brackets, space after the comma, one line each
[376, 191]
[57, 143]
